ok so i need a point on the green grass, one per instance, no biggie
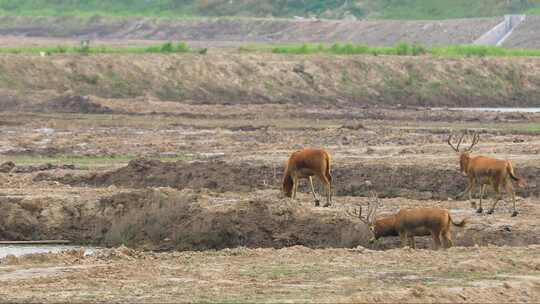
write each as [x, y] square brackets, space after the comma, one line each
[166, 48]
[386, 9]
[401, 49]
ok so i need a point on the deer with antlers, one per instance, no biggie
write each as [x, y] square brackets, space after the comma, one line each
[410, 222]
[486, 171]
[307, 163]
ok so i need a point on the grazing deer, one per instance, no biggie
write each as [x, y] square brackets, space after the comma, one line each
[486, 171]
[411, 222]
[307, 163]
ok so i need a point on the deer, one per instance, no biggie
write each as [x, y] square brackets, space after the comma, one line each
[304, 164]
[486, 171]
[410, 222]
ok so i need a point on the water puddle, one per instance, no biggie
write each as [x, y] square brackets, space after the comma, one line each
[19, 250]
[501, 110]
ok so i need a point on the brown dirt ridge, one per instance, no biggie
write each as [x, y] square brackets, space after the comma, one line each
[412, 181]
[268, 78]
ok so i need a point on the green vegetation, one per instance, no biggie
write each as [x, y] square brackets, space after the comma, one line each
[402, 49]
[389, 9]
[166, 48]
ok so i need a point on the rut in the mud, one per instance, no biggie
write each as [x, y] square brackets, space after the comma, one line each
[398, 181]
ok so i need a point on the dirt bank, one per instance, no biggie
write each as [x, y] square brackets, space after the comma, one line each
[165, 218]
[267, 78]
[376, 33]
[188, 220]
[416, 182]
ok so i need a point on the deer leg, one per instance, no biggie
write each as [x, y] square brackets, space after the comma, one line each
[436, 240]
[404, 239]
[447, 235]
[313, 191]
[328, 186]
[412, 243]
[330, 194]
[497, 197]
[295, 187]
[482, 189]
[510, 191]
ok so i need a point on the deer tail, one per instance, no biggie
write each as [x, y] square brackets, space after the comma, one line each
[513, 175]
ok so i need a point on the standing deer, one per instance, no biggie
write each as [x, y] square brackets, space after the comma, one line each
[486, 171]
[410, 222]
[307, 163]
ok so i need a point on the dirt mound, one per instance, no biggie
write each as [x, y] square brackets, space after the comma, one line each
[71, 104]
[7, 167]
[10, 167]
[167, 218]
[390, 181]
[195, 175]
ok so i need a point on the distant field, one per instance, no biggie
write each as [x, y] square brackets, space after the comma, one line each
[383, 9]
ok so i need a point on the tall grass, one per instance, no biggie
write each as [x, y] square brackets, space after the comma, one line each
[165, 48]
[402, 49]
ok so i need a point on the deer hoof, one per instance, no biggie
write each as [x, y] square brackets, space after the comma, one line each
[327, 205]
[515, 213]
[317, 203]
[490, 211]
[479, 210]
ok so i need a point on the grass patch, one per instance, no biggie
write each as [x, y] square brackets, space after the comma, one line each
[401, 49]
[166, 48]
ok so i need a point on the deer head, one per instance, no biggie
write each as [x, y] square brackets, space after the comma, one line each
[465, 155]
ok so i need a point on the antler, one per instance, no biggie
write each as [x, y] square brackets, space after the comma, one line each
[373, 204]
[459, 142]
[476, 138]
[357, 213]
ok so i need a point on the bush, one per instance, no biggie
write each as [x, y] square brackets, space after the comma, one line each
[403, 49]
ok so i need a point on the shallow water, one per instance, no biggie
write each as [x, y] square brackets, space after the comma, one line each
[502, 110]
[18, 250]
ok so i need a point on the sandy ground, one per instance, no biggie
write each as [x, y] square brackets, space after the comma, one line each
[294, 274]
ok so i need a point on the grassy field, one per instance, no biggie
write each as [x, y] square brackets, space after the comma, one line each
[385, 9]
[402, 49]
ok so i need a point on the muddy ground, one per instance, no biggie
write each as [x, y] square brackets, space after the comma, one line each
[189, 178]
[188, 170]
